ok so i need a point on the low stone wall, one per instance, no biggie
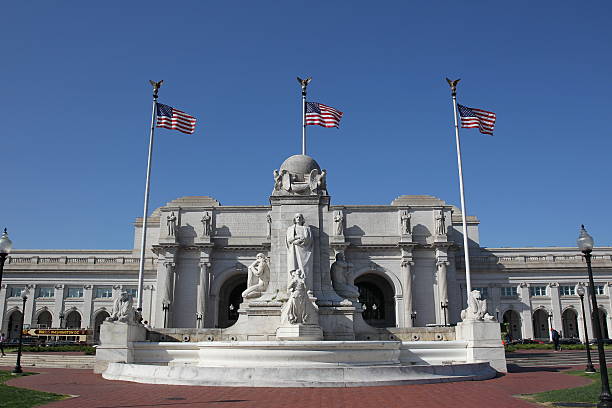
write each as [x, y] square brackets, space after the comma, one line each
[437, 333]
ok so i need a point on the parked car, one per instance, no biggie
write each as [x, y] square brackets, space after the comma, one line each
[570, 341]
[604, 341]
[526, 341]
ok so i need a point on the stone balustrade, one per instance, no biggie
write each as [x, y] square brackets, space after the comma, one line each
[12, 260]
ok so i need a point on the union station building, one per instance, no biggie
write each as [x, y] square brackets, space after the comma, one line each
[405, 257]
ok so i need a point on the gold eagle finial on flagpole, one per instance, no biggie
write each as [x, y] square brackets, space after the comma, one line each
[453, 84]
[156, 86]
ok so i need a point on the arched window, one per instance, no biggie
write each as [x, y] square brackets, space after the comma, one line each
[569, 319]
[14, 323]
[540, 324]
[230, 299]
[377, 297]
[97, 323]
[73, 320]
[44, 319]
[512, 322]
[602, 322]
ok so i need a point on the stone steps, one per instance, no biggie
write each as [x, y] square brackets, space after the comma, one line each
[50, 360]
[562, 358]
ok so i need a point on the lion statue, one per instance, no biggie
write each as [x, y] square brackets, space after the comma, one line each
[477, 308]
[123, 311]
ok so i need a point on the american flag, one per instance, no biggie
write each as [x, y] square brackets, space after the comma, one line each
[477, 118]
[322, 115]
[170, 118]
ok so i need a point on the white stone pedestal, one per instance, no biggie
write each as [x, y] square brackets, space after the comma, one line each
[301, 332]
[116, 343]
[484, 342]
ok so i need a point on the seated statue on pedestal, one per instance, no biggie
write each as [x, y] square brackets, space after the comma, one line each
[258, 278]
[342, 280]
[123, 311]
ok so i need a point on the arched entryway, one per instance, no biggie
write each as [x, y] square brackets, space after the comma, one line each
[540, 325]
[14, 323]
[569, 318]
[230, 299]
[73, 320]
[512, 323]
[44, 319]
[603, 323]
[98, 322]
[377, 297]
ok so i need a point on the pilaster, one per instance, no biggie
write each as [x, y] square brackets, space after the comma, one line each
[88, 321]
[526, 318]
[28, 315]
[555, 304]
[58, 305]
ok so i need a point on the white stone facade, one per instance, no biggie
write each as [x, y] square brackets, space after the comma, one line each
[405, 257]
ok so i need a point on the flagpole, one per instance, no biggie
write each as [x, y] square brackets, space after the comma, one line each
[468, 281]
[143, 240]
[304, 83]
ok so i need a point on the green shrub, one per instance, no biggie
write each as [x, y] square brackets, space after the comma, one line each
[89, 350]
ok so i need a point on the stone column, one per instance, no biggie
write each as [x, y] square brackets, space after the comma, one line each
[58, 305]
[555, 304]
[147, 304]
[203, 285]
[406, 266]
[442, 290]
[441, 296]
[526, 318]
[495, 296]
[87, 322]
[168, 291]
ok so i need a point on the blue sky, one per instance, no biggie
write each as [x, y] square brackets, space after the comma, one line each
[76, 104]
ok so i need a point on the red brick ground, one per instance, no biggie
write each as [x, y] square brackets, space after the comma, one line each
[94, 391]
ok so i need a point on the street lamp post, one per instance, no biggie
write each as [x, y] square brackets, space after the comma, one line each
[589, 367]
[585, 244]
[165, 307]
[5, 249]
[413, 315]
[17, 369]
[444, 306]
[61, 316]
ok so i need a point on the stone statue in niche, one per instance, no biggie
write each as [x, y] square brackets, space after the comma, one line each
[342, 280]
[405, 222]
[258, 277]
[269, 220]
[338, 226]
[440, 223]
[206, 218]
[298, 309]
[477, 308]
[122, 311]
[171, 223]
[299, 246]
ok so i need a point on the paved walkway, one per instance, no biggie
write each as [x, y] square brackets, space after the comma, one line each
[94, 391]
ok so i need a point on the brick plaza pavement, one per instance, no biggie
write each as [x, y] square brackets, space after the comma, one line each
[94, 391]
